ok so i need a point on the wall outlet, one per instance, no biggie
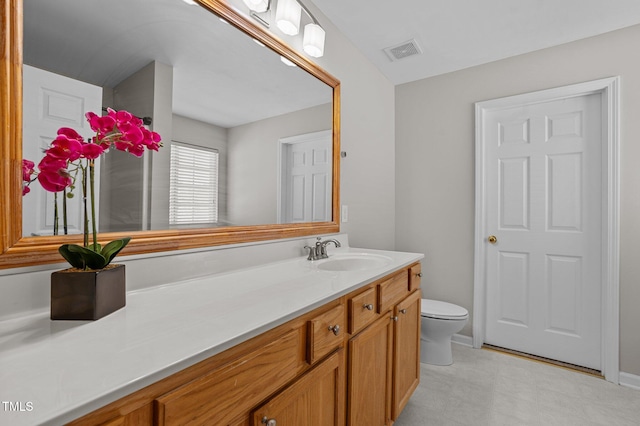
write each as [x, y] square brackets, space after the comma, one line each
[345, 214]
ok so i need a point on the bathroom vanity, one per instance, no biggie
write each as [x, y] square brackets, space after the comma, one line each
[292, 342]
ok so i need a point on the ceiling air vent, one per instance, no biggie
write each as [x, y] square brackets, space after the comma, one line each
[403, 50]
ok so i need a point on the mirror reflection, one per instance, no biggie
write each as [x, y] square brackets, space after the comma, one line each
[247, 139]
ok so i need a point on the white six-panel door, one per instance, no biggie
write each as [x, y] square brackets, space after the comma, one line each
[51, 101]
[305, 194]
[543, 198]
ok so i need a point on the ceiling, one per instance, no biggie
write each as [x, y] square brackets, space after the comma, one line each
[458, 34]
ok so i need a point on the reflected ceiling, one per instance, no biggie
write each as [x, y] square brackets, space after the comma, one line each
[122, 36]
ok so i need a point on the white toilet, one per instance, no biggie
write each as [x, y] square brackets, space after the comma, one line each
[440, 321]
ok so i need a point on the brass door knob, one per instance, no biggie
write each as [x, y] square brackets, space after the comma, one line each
[492, 239]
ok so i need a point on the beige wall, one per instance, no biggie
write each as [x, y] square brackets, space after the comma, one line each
[435, 163]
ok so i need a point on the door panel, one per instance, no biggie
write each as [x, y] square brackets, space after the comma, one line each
[306, 178]
[543, 200]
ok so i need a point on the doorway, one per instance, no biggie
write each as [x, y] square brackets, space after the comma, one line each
[546, 244]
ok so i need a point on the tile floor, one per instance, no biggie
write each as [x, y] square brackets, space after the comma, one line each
[484, 387]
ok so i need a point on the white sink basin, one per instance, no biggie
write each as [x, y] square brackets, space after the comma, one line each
[353, 262]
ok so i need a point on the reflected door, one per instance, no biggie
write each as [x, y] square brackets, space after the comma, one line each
[52, 101]
[544, 202]
[306, 178]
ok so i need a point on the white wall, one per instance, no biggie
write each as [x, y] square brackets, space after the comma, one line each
[435, 163]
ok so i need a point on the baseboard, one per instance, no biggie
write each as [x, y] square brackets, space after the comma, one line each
[629, 380]
[462, 340]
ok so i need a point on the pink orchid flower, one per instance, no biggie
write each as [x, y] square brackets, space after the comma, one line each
[28, 169]
[100, 124]
[66, 148]
[53, 181]
[91, 151]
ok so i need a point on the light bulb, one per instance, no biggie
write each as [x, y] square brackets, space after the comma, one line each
[313, 40]
[288, 15]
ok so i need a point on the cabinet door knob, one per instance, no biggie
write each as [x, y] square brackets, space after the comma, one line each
[269, 422]
[395, 318]
[419, 274]
[368, 306]
[335, 329]
[403, 311]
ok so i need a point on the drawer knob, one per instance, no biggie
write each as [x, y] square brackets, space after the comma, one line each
[269, 422]
[368, 306]
[335, 329]
[403, 311]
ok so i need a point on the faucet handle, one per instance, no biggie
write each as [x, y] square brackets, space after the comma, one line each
[312, 253]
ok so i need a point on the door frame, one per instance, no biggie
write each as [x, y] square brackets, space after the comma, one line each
[608, 89]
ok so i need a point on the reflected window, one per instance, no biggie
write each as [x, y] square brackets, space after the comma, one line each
[193, 198]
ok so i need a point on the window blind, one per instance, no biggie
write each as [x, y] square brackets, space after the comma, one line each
[193, 194]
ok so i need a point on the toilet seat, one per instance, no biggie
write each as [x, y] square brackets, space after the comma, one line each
[442, 310]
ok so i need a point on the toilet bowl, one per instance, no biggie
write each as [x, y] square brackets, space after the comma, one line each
[440, 321]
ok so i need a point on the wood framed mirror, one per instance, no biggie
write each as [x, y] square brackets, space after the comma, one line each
[18, 250]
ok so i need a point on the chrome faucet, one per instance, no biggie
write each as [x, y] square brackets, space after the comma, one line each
[319, 251]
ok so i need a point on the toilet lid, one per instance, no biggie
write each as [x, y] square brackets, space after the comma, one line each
[442, 310]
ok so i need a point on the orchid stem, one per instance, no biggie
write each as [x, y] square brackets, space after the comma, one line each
[64, 212]
[55, 213]
[84, 204]
[93, 203]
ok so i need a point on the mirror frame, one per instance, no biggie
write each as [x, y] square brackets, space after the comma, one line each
[18, 251]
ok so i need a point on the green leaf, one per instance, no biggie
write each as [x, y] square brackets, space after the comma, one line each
[92, 260]
[92, 257]
[74, 258]
[112, 249]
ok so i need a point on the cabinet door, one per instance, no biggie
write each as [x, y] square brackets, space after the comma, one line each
[406, 356]
[316, 399]
[369, 377]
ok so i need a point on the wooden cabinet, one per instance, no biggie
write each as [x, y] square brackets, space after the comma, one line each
[369, 375]
[325, 333]
[316, 399]
[225, 393]
[406, 357]
[384, 358]
[354, 360]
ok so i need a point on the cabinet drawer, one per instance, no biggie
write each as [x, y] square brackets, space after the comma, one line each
[393, 290]
[325, 333]
[362, 310]
[415, 275]
[220, 396]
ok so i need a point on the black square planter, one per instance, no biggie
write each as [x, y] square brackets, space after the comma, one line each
[87, 295]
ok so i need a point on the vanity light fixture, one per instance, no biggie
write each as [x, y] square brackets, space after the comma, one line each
[288, 14]
[257, 5]
[313, 40]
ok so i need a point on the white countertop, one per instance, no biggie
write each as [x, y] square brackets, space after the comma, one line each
[61, 370]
